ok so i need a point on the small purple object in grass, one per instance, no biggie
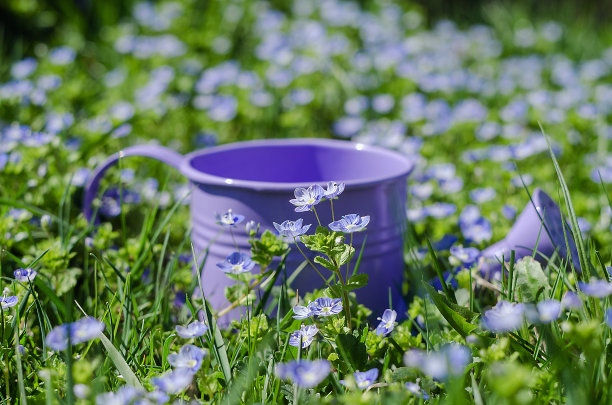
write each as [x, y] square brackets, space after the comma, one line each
[387, 322]
[305, 334]
[303, 373]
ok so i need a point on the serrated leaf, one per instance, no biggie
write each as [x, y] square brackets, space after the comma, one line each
[357, 281]
[530, 280]
[456, 321]
[334, 291]
[325, 263]
[344, 254]
[353, 352]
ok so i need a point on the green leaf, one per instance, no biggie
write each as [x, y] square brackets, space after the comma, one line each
[403, 373]
[123, 368]
[530, 279]
[353, 352]
[325, 263]
[343, 254]
[357, 281]
[457, 321]
[334, 291]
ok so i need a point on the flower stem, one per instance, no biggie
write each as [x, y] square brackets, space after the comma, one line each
[345, 299]
[308, 260]
[316, 215]
[348, 263]
[331, 202]
[234, 240]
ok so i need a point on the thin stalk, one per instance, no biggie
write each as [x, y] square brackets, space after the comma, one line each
[331, 203]
[234, 240]
[348, 264]
[316, 215]
[345, 298]
[308, 260]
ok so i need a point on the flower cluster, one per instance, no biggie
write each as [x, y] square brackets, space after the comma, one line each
[79, 331]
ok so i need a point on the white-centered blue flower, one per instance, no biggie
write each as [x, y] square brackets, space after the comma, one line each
[236, 263]
[363, 379]
[229, 219]
[291, 229]
[7, 302]
[80, 331]
[544, 312]
[463, 255]
[25, 275]
[571, 300]
[333, 190]
[193, 330]
[305, 334]
[189, 357]
[303, 373]
[504, 317]
[449, 361]
[387, 322]
[306, 198]
[325, 306]
[302, 312]
[350, 223]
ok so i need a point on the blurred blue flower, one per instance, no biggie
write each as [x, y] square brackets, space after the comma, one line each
[305, 334]
[383, 103]
[449, 361]
[347, 127]
[112, 201]
[596, 288]
[62, 55]
[482, 195]
[356, 105]
[303, 373]
[440, 210]
[509, 212]
[571, 300]
[363, 379]
[80, 331]
[236, 263]
[261, 98]
[350, 223]
[223, 109]
[608, 317]
[124, 396]
[477, 232]
[229, 219]
[301, 96]
[193, 330]
[544, 312]
[463, 255]
[416, 390]
[25, 275]
[306, 198]
[189, 357]
[387, 322]
[504, 317]
[325, 306]
[7, 302]
[121, 111]
[48, 82]
[291, 229]
[173, 382]
[23, 68]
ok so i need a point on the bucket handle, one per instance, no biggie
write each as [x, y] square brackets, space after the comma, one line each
[157, 152]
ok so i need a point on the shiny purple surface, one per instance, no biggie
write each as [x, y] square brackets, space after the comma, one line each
[257, 179]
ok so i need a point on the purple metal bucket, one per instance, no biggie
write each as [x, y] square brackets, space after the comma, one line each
[540, 228]
[257, 179]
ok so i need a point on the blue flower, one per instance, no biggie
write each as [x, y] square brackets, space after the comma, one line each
[302, 312]
[350, 223]
[416, 390]
[545, 312]
[124, 396]
[364, 379]
[25, 275]
[189, 357]
[608, 317]
[333, 190]
[465, 256]
[229, 219]
[303, 373]
[306, 198]
[325, 306]
[291, 229]
[236, 263]
[194, 329]
[7, 302]
[173, 382]
[450, 360]
[477, 231]
[596, 288]
[80, 331]
[504, 317]
[306, 334]
[387, 322]
[571, 300]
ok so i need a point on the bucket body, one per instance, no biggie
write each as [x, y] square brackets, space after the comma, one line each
[258, 178]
